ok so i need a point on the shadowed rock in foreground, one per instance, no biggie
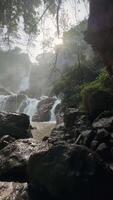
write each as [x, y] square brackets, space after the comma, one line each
[15, 125]
[75, 162]
[14, 158]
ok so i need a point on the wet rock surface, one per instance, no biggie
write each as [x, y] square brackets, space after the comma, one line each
[13, 191]
[15, 125]
[69, 172]
[79, 162]
[74, 162]
[14, 158]
[97, 136]
[5, 140]
[44, 108]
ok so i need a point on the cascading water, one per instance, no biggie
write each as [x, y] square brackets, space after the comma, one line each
[20, 103]
[29, 106]
[3, 100]
[53, 117]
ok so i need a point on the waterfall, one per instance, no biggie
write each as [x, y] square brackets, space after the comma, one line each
[30, 108]
[53, 117]
[3, 100]
[23, 104]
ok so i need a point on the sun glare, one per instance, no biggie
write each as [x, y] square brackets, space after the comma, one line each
[58, 41]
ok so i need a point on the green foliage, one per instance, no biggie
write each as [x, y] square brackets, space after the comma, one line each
[11, 11]
[102, 82]
[96, 94]
[85, 70]
[70, 85]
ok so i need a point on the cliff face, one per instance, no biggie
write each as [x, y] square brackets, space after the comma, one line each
[100, 30]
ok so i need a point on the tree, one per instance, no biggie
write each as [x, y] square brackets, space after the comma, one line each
[13, 11]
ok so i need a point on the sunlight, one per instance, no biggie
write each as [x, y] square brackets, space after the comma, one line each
[57, 41]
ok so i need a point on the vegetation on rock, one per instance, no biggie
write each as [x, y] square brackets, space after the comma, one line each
[97, 96]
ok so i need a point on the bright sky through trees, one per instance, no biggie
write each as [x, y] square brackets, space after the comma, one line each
[71, 13]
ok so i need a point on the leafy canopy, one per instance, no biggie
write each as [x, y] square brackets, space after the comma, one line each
[12, 10]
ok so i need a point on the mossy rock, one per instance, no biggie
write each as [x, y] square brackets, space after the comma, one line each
[98, 101]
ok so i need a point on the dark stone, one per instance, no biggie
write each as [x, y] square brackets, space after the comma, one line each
[106, 123]
[70, 116]
[94, 145]
[42, 117]
[87, 137]
[14, 158]
[102, 147]
[104, 115]
[5, 140]
[43, 110]
[58, 135]
[97, 101]
[102, 135]
[100, 30]
[15, 125]
[45, 139]
[69, 172]
[104, 151]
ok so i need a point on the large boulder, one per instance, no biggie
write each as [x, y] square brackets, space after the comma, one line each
[14, 158]
[105, 122]
[69, 172]
[13, 191]
[100, 30]
[15, 125]
[97, 101]
[5, 140]
[70, 116]
[44, 110]
[75, 118]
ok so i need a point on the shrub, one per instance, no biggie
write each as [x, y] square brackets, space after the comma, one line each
[97, 96]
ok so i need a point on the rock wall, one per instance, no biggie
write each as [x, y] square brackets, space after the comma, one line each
[100, 30]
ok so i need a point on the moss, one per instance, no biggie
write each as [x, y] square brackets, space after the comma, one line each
[97, 96]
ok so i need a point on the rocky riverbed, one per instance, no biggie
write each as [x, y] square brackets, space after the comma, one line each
[74, 161]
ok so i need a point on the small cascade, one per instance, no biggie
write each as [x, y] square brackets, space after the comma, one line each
[28, 107]
[53, 117]
[31, 107]
[23, 104]
[3, 101]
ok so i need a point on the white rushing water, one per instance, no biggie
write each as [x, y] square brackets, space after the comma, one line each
[31, 107]
[28, 106]
[53, 117]
[3, 100]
